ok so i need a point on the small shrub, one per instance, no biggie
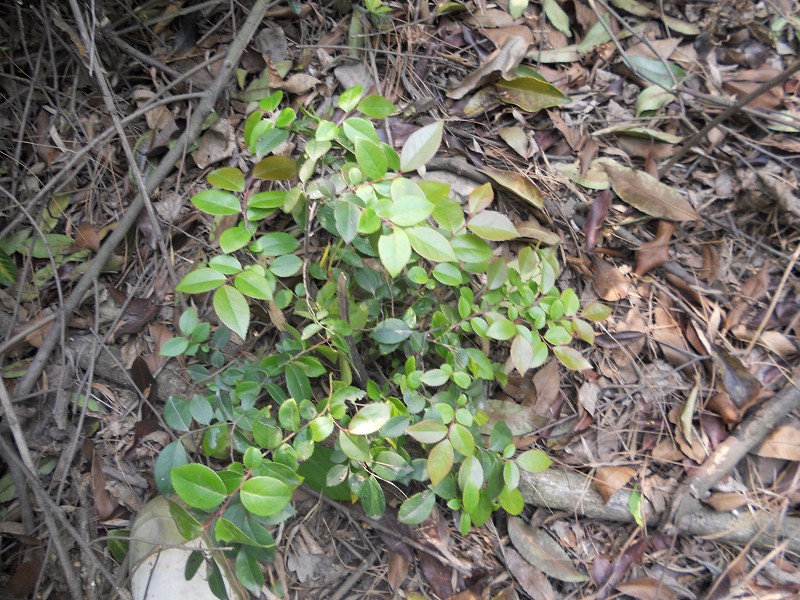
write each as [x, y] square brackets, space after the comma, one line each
[393, 310]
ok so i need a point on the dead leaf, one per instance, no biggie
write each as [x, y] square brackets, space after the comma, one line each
[669, 336]
[645, 193]
[518, 140]
[398, 570]
[607, 281]
[503, 62]
[532, 581]
[533, 231]
[646, 588]
[86, 237]
[783, 442]
[656, 252]
[103, 503]
[217, 143]
[516, 183]
[754, 289]
[597, 216]
[739, 383]
[608, 480]
[726, 501]
[541, 550]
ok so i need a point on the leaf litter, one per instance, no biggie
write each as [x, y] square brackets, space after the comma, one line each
[725, 213]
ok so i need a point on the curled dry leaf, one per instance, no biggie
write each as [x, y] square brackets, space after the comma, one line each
[607, 281]
[669, 336]
[619, 338]
[648, 194]
[608, 480]
[541, 550]
[597, 216]
[517, 183]
[754, 289]
[86, 237]
[503, 62]
[656, 252]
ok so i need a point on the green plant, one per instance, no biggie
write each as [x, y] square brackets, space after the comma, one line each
[400, 279]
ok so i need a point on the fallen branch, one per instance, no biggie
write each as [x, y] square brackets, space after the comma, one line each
[575, 494]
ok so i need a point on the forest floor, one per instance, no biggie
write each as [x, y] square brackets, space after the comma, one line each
[663, 140]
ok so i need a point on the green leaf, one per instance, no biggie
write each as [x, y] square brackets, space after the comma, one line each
[234, 238]
[267, 200]
[248, 571]
[356, 127]
[254, 285]
[512, 501]
[655, 71]
[277, 243]
[394, 251]
[534, 461]
[227, 265]
[557, 16]
[227, 179]
[511, 475]
[428, 431]
[421, 146]
[571, 358]
[636, 507]
[430, 244]
[370, 158]
[8, 269]
[370, 419]
[494, 226]
[409, 203]
[596, 311]
[232, 309]
[417, 508]
[198, 486]
[173, 455]
[558, 336]
[178, 414]
[462, 440]
[354, 447]
[200, 280]
[287, 265]
[391, 331]
[470, 248]
[448, 274]
[434, 377]
[275, 168]
[440, 461]
[321, 427]
[189, 527]
[348, 99]
[217, 202]
[517, 7]
[297, 382]
[347, 215]
[372, 499]
[269, 138]
[502, 329]
[174, 347]
[265, 496]
[289, 415]
[376, 106]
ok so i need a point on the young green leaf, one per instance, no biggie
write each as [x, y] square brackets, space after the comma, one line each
[534, 461]
[348, 99]
[430, 244]
[394, 250]
[370, 419]
[232, 309]
[370, 158]
[440, 461]
[198, 486]
[376, 106]
[254, 285]
[227, 179]
[494, 226]
[200, 280]
[421, 146]
[571, 358]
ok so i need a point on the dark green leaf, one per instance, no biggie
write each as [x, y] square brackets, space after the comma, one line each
[391, 331]
[198, 486]
[417, 508]
[275, 168]
[227, 178]
[217, 202]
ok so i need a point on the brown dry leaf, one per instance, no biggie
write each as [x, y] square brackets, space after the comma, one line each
[86, 237]
[520, 419]
[739, 383]
[532, 581]
[588, 394]
[646, 588]
[516, 183]
[726, 501]
[218, 143]
[656, 252]
[533, 231]
[783, 442]
[398, 570]
[508, 593]
[607, 281]
[297, 83]
[647, 194]
[518, 139]
[754, 289]
[669, 336]
[722, 404]
[501, 34]
[609, 480]
[597, 216]
[103, 503]
[547, 382]
[503, 62]
[540, 549]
